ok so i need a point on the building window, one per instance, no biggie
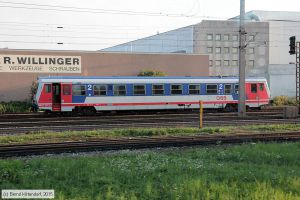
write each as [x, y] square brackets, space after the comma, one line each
[228, 89]
[209, 49]
[209, 36]
[254, 88]
[235, 38]
[194, 89]
[119, 90]
[236, 88]
[218, 63]
[99, 90]
[157, 89]
[211, 89]
[226, 37]
[226, 63]
[251, 50]
[139, 90]
[210, 63]
[78, 90]
[218, 49]
[48, 88]
[176, 89]
[226, 50]
[66, 89]
[234, 50]
[251, 63]
[251, 38]
[234, 63]
[218, 37]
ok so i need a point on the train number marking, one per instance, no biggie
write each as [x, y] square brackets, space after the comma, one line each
[222, 98]
[89, 87]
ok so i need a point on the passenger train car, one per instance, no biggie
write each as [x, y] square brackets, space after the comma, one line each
[91, 94]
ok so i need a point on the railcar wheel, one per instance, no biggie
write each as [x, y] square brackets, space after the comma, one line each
[89, 110]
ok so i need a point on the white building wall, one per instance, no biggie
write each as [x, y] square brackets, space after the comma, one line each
[282, 80]
[280, 31]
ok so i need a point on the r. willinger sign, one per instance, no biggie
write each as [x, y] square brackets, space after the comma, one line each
[40, 64]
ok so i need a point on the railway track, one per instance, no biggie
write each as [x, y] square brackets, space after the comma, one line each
[141, 142]
[18, 125]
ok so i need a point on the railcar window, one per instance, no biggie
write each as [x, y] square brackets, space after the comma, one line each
[261, 87]
[254, 88]
[48, 88]
[228, 89]
[139, 90]
[211, 89]
[119, 90]
[157, 89]
[236, 89]
[66, 90]
[78, 90]
[99, 90]
[194, 89]
[176, 89]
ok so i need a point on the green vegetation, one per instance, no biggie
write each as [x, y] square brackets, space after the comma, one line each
[43, 137]
[14, 107]
[284, 101]
[252, 171]
[151, 73]
[33, 89]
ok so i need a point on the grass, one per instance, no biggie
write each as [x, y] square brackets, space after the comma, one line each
[252, 171]
[43, 137]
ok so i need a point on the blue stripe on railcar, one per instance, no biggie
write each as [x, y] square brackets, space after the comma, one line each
[185, 88]
[148, 89]
[129, 89]
[78, 99]
[110, 90]
[167, 89]
[202, 89]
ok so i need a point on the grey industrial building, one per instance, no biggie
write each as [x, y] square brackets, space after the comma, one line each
[267, 55]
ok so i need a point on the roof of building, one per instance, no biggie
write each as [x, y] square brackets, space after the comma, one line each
[261, 15]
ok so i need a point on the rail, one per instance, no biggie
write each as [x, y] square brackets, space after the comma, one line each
[142, 142]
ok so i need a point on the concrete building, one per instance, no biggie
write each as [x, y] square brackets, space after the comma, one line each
[220, 39]
[19, 68]
[267, 54]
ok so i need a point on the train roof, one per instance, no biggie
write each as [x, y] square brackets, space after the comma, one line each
[144, 79]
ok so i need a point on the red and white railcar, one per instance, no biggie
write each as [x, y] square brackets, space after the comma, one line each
[89, 94]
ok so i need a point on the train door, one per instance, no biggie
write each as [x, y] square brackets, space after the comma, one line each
[56, 97]
[66, 96]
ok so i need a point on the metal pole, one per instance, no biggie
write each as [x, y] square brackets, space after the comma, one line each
[298, 75]
[242, 62]
[200, 114]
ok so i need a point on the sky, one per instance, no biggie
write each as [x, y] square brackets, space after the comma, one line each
[96, 24]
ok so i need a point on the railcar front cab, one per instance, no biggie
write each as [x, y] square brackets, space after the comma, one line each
[52, 96]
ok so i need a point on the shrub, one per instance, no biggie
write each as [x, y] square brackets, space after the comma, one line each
[33, 89]
[284, 100]
[151, 73]
[14, 107]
